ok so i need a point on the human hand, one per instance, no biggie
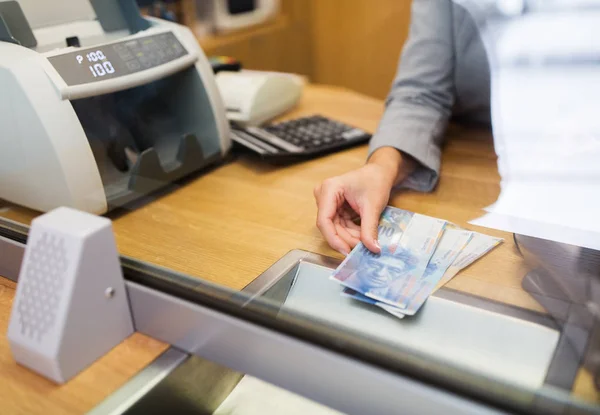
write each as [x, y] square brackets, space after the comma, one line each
[362, 193]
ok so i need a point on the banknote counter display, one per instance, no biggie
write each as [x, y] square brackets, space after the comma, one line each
[117, 59]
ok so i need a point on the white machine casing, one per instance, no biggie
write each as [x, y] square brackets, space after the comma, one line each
[254, 97]
[71, 304]
[45, 158]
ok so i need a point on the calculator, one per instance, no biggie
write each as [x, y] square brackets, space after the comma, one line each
[298, 139]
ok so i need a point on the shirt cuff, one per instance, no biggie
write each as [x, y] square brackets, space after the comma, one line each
[415, 140]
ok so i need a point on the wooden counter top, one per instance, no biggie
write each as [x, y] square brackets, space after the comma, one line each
[230, 224]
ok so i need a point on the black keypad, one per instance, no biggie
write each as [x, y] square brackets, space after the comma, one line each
[312, 132]
[302, 137]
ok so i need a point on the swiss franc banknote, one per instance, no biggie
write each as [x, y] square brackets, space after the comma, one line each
[478, 246]
[350, 293]
[392, 310]
[386, 276]
[451, 244]
[392, 224]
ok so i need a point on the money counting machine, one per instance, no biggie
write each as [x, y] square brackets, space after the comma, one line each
[99, 105]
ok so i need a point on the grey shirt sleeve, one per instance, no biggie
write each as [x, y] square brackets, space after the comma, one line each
[420, 102]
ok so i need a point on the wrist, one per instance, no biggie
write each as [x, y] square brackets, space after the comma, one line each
[397, 165]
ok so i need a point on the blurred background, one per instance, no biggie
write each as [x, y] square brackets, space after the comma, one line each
[347, 43]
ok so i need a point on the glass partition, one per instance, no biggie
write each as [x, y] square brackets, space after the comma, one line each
[516, 329]
[494, 353]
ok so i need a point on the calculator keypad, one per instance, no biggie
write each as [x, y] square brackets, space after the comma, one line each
[307, 136]
[311, 132]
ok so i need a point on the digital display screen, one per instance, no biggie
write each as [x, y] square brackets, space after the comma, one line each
[89, 65]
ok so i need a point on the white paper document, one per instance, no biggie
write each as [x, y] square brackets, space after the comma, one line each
[545, 72]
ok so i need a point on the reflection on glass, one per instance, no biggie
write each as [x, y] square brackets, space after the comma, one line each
[519, 331]
[507, 355]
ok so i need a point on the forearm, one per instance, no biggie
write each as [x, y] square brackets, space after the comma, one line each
[398, 165]
[421, 99]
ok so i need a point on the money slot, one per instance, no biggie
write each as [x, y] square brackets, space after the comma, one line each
[517, 345]
[143, 138]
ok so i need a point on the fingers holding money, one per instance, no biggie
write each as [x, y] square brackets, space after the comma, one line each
[330, 199]
[343, 199]
[348, 231]
[369, 218]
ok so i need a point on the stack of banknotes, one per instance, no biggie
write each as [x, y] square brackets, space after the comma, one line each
[419, 254]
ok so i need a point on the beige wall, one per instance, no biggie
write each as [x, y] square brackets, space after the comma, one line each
[357, 43]
[283, 44]
[350, 43]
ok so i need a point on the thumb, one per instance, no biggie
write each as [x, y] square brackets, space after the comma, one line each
[369, 223]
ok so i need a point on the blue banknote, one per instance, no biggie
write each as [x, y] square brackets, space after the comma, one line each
[388, 276]
[418, 254]
[392, 224]
[451, 244]
[350, 293]
[477, 247]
